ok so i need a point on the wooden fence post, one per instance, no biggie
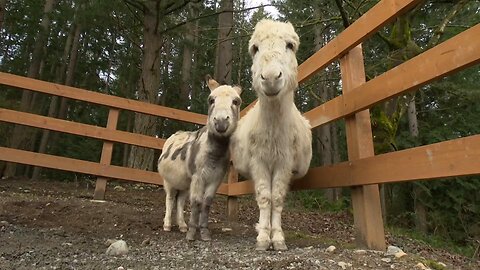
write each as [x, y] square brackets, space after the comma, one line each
[106, 157]
[369, 230]
[232, 201]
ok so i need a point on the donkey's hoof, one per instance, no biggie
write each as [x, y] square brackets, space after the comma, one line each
[279, 245]
[191, 234]
[205, 234]
[262, 245]
[167, 228]
[183, 229]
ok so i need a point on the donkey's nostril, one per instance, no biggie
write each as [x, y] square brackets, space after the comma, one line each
[279, 75]
[261, 75]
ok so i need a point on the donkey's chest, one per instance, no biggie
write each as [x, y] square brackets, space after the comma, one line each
[274, 143]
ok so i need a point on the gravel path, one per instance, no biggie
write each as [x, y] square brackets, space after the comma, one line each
[52, 225]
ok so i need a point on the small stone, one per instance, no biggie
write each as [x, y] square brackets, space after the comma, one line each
[108, 242]
[98, 201]
[309, 247]
[387, 260]
[120, 268]
[442, 264]
[226, 229]
[360, 252]
[4, 222]
[391, 250]
[344, 265]
[420, 266]
[118, 248]
[119, 188]
[330, 249]
[146, 242]
[400, 254]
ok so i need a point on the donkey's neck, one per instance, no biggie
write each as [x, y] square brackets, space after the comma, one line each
[276, 109]
[217, 146]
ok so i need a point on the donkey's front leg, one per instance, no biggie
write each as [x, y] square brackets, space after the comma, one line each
[196, 195]
[279, 191]
[263, 195]
[207, 202]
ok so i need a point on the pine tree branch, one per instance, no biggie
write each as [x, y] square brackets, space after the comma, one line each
[213, 14]
[441, 28]
[343, 13]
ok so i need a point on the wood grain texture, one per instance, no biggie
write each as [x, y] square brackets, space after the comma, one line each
[459, 52]
[459, 157]
[87, 167]
[38, 121]
[101, 99]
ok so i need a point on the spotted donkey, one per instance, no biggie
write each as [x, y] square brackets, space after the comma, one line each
[199, 161]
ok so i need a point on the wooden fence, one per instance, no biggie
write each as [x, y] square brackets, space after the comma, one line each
[363, 172]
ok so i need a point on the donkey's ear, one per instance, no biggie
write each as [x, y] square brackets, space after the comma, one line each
[238, 89]
[212, 84]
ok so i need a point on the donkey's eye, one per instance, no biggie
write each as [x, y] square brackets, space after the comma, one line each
[236, 102]
[290, 46]
[254, 49]
[211, 100]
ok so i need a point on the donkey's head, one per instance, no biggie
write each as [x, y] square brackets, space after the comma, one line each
[223, 107]
[274, 69]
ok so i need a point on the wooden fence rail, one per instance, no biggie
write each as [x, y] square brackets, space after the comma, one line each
[363, 172]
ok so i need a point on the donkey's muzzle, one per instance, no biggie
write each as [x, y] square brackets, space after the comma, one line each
[221, 124]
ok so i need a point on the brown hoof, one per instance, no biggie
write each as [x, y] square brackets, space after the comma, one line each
[191, 234]
[205, 234]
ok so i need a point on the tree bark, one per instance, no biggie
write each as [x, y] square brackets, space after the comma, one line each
[324, 132]
[53, 106]
[186, 84]
[3, 4]
[223, 61]
[21, 135]
[149, 84]
[72, 62]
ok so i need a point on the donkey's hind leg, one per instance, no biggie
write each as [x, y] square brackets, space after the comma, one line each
[181, 197]
[169, 203]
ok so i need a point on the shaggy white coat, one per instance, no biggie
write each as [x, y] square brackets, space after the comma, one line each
[272, 143]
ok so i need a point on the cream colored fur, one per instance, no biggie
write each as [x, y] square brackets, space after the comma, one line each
[272, 143]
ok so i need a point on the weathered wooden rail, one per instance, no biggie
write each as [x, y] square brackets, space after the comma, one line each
[363, 172]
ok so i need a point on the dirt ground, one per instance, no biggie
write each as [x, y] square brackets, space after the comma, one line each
[56, 225]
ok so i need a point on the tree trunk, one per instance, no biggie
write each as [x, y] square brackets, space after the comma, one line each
[223, 61]
[149, 83]
[419, 207]
[21, 135]
[53, 107]
[185, 86]
[324, 132]
[3, 4]
[70, 75]
[197, 79]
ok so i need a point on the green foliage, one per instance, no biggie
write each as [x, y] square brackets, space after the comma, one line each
[315, 200]
[435, 241]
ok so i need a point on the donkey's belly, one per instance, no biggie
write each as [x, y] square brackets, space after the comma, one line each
[174, 172]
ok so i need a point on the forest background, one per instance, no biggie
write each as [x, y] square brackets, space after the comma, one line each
[160, 51]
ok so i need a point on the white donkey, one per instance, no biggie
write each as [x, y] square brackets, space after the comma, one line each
[199, 161]
[273, 142]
